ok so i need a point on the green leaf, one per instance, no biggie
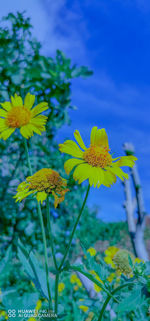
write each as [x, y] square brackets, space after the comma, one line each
[35, 272]
[6, 260]
[14, 302]
[131, 302]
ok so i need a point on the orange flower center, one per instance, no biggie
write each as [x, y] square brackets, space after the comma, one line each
[97, 156]
[18, 117]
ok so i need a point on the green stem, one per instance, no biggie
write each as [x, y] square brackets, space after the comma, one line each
[45, 251]
[74, 229]
[92, 278]
[50, 232]
[27, 155]
[56, 292]
[42, 227]
[109, 297]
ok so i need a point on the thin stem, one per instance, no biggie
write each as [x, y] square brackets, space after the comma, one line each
[42, 227]
[27, 156]
[74, 229]
[109, 297]
[50, 232]
[56, 292]
[45, 250]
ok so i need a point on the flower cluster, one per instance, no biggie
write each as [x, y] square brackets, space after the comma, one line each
[94, 163]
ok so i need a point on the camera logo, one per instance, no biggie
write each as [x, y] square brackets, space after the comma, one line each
[11, 313]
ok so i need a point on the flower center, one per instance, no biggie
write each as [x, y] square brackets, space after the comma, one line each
[45, 180]
[97, 156]
[18, 117]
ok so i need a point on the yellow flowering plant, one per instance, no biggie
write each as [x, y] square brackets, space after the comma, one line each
[16, 114]
[94, 163]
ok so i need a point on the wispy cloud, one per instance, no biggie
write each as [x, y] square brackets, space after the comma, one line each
[66, 29]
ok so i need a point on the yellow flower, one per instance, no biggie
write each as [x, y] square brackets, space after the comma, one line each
[137, 260]
[111, 277]
[92, 251]
[43, 183]
[61, 287]
[31, 319]
[75, 279]
[110, 253]
[96, 287]
[83, 308]
[38, 305]
[94, 163]
[3, 314]
[15, 114]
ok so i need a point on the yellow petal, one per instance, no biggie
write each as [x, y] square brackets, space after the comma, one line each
[83, 308]
[41, 196]
[93, 135]
[71, 163]
[37, 130]
[6, 133]
[39, 120]
[109, 178]
[26, 131]
[3, 113]
[101, 138]
[39, 108]
[71, 148]
[108, 260]
[95, 173]
[82, 172]
[125, 161]
[16, 101]
[118, 172]
[29, 101]
[79, 139]
[6, 105]
[3, 125]
[92, 251]
[100, 175]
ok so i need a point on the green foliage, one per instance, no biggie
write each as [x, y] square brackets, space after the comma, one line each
[23, 69]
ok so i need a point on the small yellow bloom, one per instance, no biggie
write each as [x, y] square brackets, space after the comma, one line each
[61, 287]
[94, 163]
[138, 260]
[92, 251]
[83, 308]
[111, 277]
[75, 279]
[38, 305]
[43, 183]
[3, 314]
[31, 319]
[15, 114]
[110, 253]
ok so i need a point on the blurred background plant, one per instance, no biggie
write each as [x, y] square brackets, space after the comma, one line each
[23, 69]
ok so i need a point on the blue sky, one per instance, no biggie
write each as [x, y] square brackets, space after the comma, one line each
[112, 38]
